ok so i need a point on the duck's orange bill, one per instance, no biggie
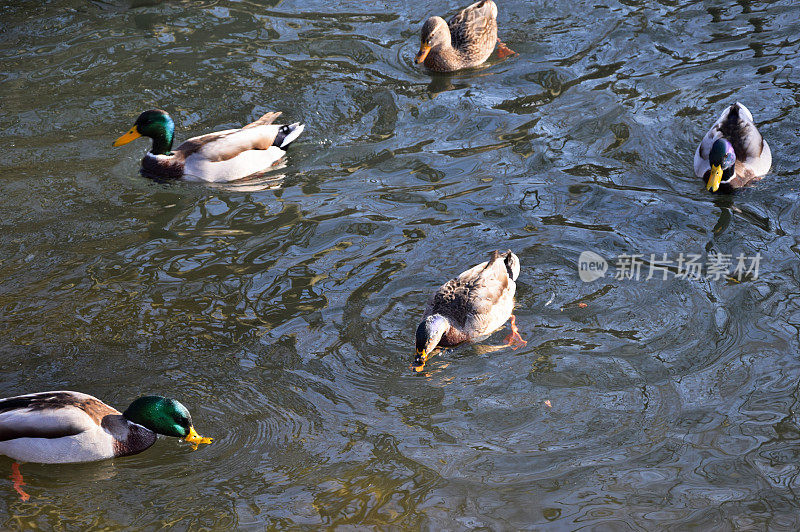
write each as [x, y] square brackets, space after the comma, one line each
[195, 439]
[419, 361]
[127, 137]
[423, 53]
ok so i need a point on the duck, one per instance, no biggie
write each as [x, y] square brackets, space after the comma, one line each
[465, 42]
[221, 156]
[62, 426]
[59, 427]
[474, 304]
[733, 153]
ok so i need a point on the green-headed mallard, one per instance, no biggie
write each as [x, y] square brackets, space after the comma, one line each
[466, 41]
[472, 305]
[733, 153]
[61, 427]
[216, 157]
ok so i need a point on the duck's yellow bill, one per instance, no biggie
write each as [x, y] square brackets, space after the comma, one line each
[423, 53]
[714, 178]
[127, 137]
[195, 439]
[419, 361]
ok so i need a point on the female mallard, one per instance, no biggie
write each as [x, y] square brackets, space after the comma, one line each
[466, 42]
[733, 153]
[474, 304]
[216, 157]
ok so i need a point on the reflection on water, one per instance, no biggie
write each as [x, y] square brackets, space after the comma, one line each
[282, 311]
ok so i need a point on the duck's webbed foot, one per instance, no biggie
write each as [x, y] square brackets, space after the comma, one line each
[503, 50]
[514, 339]
[16, 476]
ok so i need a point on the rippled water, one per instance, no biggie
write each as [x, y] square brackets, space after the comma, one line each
[284, 317]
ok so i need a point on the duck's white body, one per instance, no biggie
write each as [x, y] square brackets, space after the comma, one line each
[205, 164]
[89, 446]
[64, 426]
[222, 156]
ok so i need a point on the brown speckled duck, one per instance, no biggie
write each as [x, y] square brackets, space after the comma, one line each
[733, 153]
[466, 41]
[472, 305]
[217, 157]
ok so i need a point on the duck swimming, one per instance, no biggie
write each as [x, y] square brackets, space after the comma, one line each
[466, 41]
[733, 153]
[63, 427]
[472, 305]
[221, 156]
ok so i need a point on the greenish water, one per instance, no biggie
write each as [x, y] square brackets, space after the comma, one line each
[283, 317]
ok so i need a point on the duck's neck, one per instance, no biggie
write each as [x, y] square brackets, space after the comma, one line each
[728, 174]
[431, 330]
[162, 143]
[445, 58]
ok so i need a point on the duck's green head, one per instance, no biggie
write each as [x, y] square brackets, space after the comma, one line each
[429, 333]
[164, 416]
[157, 125]
[722, 159]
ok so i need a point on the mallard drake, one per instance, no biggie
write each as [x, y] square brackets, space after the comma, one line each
[467, 41]
[221, 156]
[474, 304]
[62, 426]
[733, 153]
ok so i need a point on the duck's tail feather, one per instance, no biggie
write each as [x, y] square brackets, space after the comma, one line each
[265, 120]
[512, 264]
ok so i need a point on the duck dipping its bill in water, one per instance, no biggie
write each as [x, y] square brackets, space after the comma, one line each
[474, 304]
[63, 427]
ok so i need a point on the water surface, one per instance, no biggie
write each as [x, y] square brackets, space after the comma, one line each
[283, 317]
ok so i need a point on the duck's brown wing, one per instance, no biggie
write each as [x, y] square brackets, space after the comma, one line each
[474, 26]
[473, 293]
[453, 301]
[224, 145]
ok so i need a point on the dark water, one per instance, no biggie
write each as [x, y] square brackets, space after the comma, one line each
[283, 317]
